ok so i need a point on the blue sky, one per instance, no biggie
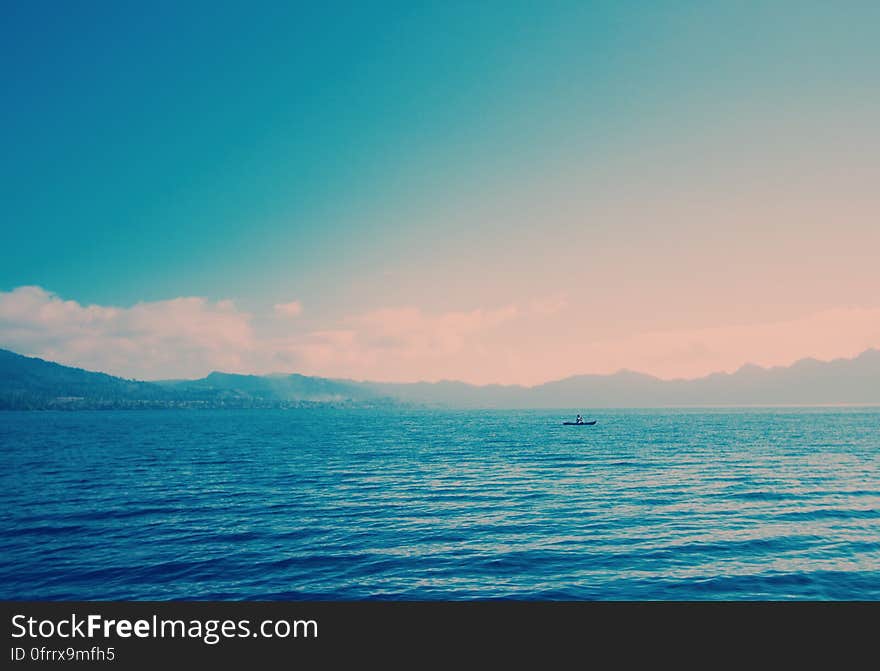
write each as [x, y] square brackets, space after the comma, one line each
[669, 167]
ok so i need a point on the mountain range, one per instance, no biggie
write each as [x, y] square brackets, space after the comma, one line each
[32, 383]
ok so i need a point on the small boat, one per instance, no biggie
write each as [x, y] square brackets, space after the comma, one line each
[579, 423]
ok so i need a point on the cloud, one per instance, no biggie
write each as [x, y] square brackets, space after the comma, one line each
[398, 343]
[512, 345]
[527, 343]
[191, 336]
[171, 338]
[291, 309]
[414, 333]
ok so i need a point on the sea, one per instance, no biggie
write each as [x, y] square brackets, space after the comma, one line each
[419, 504]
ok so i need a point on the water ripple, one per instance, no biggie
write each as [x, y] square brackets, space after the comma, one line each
[418, 504]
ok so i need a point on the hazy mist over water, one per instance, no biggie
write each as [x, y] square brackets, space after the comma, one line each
[422, 504]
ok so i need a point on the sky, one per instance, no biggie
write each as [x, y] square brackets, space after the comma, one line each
[491, 192]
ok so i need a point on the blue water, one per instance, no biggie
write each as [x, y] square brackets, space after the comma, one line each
[358, 504]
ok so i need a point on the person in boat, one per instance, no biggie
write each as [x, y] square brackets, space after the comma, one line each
[579, 420]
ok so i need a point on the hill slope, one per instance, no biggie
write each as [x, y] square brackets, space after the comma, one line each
[27, 382]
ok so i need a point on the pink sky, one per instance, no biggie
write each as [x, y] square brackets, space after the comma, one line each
[676, 189]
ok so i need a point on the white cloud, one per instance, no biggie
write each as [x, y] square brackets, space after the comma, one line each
[291, 309]
[191, 336]
[172, 338]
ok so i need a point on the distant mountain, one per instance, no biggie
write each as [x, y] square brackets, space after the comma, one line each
[807, 382]
[27, 383]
